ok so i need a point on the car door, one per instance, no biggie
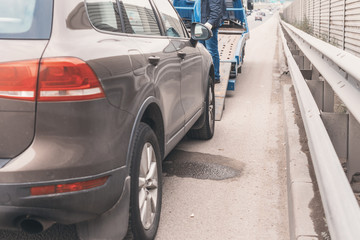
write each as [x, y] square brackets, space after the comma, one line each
[192, 87]
[162, 62]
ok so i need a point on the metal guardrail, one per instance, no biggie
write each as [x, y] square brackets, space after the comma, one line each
[332, 71]
[336, 21]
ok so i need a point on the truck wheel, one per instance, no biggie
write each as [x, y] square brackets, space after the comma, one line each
[206, 131]
[145, 188]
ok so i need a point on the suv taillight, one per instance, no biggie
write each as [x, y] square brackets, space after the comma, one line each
[18, 79]
[60, 79]
[67, 79]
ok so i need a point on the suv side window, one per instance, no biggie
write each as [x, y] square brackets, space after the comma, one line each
[104, 15]
[140, 17]
[170, 18]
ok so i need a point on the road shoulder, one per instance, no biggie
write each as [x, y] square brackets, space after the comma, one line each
[306, 215]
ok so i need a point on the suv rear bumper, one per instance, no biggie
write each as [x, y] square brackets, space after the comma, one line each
[16, 201]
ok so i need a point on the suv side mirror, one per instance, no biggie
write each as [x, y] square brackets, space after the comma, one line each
[200, 32]
[250, 5]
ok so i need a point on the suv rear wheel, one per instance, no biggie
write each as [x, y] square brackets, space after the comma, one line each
[146, 190]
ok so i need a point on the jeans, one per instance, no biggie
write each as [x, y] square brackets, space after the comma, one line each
[212, 46]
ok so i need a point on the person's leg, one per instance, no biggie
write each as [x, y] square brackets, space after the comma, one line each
[212, 46]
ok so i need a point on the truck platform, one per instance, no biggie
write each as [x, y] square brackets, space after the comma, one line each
[231, 43]
[232, 52]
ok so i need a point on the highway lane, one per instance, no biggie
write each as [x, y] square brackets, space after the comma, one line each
[241, 193]
[254, 24]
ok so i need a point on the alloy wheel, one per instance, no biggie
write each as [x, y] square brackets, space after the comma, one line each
[211, 108]
[148, 185]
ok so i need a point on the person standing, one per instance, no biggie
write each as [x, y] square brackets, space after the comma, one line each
[210, 13]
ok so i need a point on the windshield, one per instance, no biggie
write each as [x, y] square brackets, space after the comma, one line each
[25, 19]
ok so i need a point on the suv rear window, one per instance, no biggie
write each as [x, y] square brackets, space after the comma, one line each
[25, 19]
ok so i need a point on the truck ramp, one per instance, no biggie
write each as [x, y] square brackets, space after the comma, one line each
[228, 46]
[220, 89]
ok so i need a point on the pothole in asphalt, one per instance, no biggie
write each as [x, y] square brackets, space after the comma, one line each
[201, 166]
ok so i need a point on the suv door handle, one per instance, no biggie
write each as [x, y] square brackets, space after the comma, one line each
[154, 60]
[181, 54]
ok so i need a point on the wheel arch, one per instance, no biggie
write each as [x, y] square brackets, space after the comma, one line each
[153, 117]
[211, 74]
[151, 114]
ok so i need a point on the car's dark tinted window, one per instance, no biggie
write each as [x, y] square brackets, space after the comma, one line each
[104, 15]
[170, 18]
[25, 19]
[140, 16]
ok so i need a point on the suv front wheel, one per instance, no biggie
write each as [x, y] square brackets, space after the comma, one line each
[206, 131]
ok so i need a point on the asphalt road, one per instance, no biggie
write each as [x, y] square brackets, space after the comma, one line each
[241, 193]
[233, 186]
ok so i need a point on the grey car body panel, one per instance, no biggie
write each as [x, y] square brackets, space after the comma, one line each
[17, 118]
[192, 89]
[84, 140]
[71, 141]
[166, 80]
[66, 208]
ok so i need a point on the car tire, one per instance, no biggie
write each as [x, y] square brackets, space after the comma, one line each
[145, 187]
[206, 131]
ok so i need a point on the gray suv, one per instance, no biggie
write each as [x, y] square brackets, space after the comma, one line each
[93, 96]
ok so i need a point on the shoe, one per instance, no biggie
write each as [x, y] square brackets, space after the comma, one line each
[217, 80]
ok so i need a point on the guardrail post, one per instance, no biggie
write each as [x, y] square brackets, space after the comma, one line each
[307, 74]
[321, 91]
[353, 161]
[337, 127]
[328, 105]
[307, 63]
[295, 52]
[299, 61]
[315, 74]
[292, 46]
[315, 84]
[304, 63]
[317, 91]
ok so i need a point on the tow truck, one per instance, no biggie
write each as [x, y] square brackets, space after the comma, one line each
[231, 42]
